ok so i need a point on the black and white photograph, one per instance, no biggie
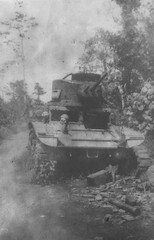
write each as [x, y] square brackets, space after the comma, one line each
[76, 119]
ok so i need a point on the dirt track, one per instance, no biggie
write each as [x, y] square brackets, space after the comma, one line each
[32, 212]
[27, 211]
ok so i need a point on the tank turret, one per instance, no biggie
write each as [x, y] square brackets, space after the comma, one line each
[82, 89]
[82, 98]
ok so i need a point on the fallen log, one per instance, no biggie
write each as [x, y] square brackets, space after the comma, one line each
[99, 178]
[133, 210]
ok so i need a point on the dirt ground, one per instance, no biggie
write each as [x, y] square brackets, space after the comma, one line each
[33, 212]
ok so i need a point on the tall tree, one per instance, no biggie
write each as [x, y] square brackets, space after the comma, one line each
[121, 52]
[38, 91]
[16, 31]
[130, 62]
[146, 28]
[98, 55]
[127, 43]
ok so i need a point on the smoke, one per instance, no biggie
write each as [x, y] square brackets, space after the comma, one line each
[28, 212]
[54, 47]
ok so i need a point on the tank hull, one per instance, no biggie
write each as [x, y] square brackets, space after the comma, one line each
[71, 162]
[82, 151]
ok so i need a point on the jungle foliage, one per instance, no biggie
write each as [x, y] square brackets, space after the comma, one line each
[128, 57]
[18, 107]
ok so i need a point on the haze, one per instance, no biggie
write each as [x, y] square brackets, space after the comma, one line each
[55, 45]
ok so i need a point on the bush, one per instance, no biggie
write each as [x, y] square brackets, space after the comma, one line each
[139, 108]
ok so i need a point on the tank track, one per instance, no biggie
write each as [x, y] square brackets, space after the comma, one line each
[143, 159]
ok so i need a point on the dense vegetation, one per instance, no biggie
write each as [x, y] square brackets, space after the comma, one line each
[16, 104]
[19, 106]
[128, 57]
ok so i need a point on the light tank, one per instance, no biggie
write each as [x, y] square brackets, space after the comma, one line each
[79, 136]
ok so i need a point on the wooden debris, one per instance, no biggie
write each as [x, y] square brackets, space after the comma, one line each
[128, 217]
[130, 200]
[98, 178]
[98, 197]
[133, 210]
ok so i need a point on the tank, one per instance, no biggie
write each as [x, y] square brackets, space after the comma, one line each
[79, 136]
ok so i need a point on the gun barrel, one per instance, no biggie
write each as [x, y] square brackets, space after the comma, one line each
[98, 82]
